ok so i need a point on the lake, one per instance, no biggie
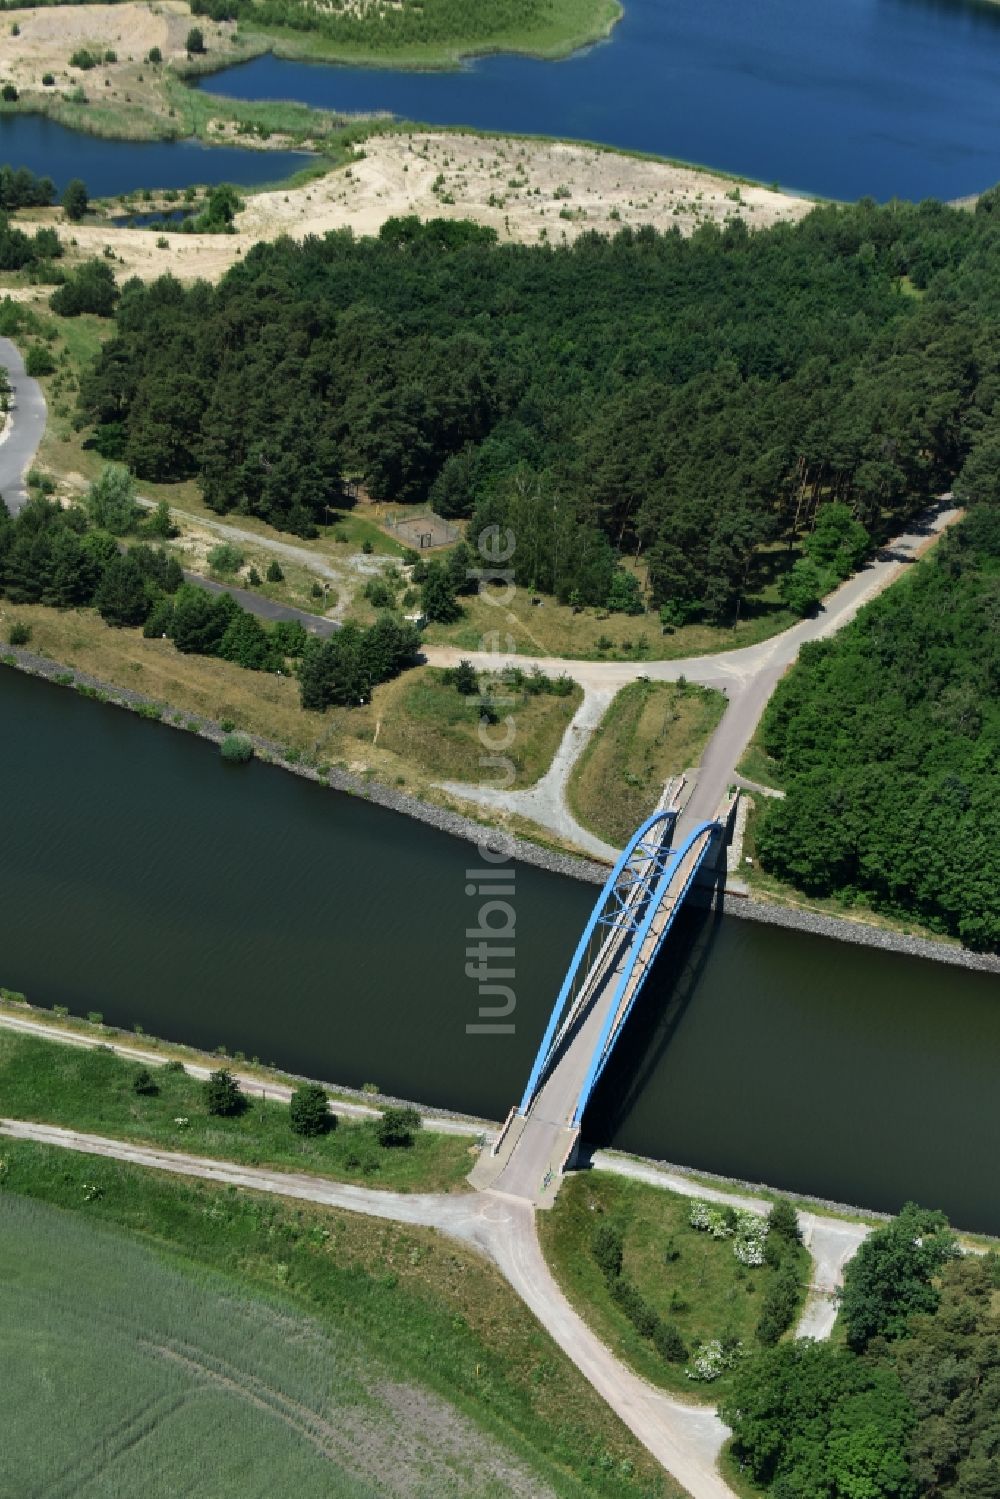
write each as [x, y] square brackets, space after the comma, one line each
[243, 906]
[110, 167]
[892, 98]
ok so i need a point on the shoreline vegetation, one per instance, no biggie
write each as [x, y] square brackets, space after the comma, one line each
[524, 841]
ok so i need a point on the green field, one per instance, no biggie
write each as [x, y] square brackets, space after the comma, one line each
[52, 1083]
[286, 1349]
[688, 1278]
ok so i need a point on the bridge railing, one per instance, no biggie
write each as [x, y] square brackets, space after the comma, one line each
[705, 832]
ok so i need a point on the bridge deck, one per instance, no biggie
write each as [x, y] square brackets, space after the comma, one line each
[547, 1134]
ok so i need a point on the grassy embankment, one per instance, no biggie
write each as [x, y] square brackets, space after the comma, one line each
[184, 1280]
[451, 32]
[690, 1279]
[651, 731]
[50, 1082]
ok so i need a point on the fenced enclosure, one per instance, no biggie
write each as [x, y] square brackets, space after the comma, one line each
[423, 531]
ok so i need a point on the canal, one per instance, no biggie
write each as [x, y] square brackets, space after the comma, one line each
[143, 878]
[892, 98]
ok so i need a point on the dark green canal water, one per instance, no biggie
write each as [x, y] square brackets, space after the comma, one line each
[141, 877]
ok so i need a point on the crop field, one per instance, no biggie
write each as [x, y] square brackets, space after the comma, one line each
[155, 1329]
[124, 1372]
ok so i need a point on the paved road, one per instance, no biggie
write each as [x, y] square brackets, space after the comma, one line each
[24, 430]
[685, 1439]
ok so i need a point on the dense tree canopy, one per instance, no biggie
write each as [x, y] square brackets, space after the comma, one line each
[916, 1414]
[687, 400]
[889, 739]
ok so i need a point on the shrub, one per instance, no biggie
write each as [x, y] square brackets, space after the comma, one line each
[144, 1083]
[223, 1095]
[397, 1126]
[669, 1344]
[9, 93]
[254, 578]
[236, 749]
[274, 573]
[154, 55]
[309, 1111]
[83, 59]
[607, 1247]
[225, 558]
[195, 43]
[174, 1065]
[48, 80]
[779, 1305]
[19, 633]
[783, 1222]
[39, 361]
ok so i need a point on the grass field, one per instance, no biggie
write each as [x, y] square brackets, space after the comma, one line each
[704, 1290]
[432, 725]
[52, 1083]
[651, 731]
[323, 1348]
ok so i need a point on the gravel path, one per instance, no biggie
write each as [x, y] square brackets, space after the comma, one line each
[747, 676]
[545, 803]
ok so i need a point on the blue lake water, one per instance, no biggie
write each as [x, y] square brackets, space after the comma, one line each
[892, 98]
[109, 167]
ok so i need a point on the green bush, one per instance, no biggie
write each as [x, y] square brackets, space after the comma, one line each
[225, 558]
[309, 1111]
[223, 1095]
[397, 1126]
[236, 749]
[19, 633]
[144, 1083]
[607, 1247]
[39, 361]
[274, 573]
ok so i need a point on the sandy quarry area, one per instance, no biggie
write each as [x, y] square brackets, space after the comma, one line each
[49, 35]
[527, 191]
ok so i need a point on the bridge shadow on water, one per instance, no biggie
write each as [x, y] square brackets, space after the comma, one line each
[659, 1009]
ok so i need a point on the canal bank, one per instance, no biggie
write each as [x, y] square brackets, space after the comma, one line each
[494, 840]
[329, 937]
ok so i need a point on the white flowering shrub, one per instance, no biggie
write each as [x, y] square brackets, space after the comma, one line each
[751, 1232]
[700, 1213]
[746, 1229]
[712, 1358]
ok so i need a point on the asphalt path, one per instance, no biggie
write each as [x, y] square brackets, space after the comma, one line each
[24, 428]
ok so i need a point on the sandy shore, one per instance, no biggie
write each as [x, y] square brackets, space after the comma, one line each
[530, 192]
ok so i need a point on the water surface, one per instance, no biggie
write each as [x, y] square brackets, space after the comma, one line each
[143, 878]
[110, 167]
[892, 98]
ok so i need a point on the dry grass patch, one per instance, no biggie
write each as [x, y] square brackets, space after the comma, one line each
[553, 629]
[651, 731]
[424, 720]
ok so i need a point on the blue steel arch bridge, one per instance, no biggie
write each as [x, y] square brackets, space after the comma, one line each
[620, 943]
